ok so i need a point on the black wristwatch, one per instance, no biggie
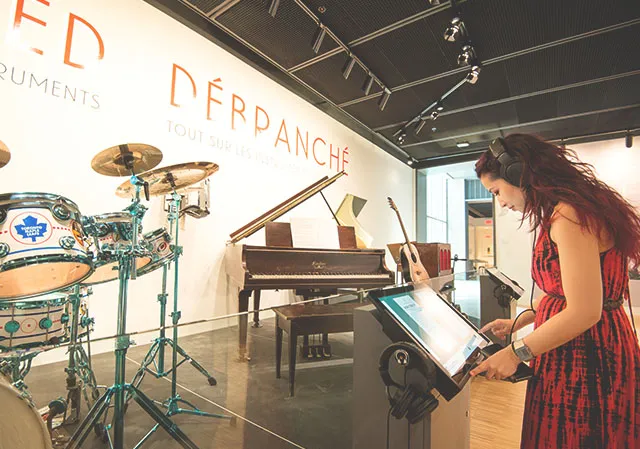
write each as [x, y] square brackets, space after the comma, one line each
[522, 350]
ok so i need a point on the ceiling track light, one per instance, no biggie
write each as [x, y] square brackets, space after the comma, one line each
[467, 56]
[456, 31]
[434, 115]
[273, 7]
[439, 107]
[318, 38]
[368, 84]
[401, 138]
[348, 67]
[384, 99]
[410, 161]
[628, 140]
[472, 76]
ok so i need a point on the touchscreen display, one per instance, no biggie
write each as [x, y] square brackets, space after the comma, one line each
[436, 326]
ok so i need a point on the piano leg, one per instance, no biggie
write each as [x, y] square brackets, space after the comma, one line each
[243, 306]
[326, 347]
[256, 308]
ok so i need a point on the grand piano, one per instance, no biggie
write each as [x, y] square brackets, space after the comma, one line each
[311, 272]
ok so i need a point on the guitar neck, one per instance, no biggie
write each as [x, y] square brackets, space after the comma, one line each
[404, 231]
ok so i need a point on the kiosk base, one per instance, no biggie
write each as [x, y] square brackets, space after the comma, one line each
[448, 427]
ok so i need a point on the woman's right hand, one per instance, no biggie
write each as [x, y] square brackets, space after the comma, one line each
[500, 328]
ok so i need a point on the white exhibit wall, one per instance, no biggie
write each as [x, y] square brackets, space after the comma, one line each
[148, 79]
[614, 164]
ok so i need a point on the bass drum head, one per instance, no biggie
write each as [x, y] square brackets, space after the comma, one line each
[33, 278]
[20, 424]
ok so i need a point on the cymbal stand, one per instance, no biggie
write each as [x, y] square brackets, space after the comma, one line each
[79, 364]
[127, 270]
[173, 402]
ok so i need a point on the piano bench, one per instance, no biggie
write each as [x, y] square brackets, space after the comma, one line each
[309, 319]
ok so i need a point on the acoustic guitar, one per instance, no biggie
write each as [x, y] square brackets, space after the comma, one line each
[412, 268]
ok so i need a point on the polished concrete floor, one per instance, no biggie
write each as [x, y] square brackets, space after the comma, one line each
[318, 416]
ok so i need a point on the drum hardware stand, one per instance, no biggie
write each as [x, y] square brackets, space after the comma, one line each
[79, 365]
[172, 403]
[127, 270]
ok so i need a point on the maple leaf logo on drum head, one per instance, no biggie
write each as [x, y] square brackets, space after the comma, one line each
[31, 229]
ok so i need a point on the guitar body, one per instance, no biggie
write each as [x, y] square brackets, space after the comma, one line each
[412, 268]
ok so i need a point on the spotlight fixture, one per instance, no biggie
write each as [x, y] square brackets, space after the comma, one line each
[368, 83]
[472, 76]
[462, 144]
[467, 56]
[401, 138]
[434, 115]
[384, 99]
[456, 31]
[410, 161]
[348, 67]
[439, 107]
[434, 2]
[628, 140]
[318, 38]
[273, 7]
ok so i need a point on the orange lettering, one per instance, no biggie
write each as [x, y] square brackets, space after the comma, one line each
[313, 150]
[283, 127]
[258, 128]
[305, 147]
[345, 161]
[173, 84]
[334, 156]
[21, 14]
[234, 110]
[67, 50]
[211, 99]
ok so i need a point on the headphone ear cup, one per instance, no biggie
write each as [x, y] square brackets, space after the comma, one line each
[513, 173]
[423, 404]
[402, 402]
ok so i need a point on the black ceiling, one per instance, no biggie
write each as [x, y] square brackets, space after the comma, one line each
[560, 69]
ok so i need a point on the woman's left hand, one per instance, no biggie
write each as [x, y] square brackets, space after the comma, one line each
[499, 366]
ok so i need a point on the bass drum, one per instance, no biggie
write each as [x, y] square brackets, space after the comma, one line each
[21, 427]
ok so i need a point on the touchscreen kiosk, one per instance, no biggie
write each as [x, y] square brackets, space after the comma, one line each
[419, 315]
[514, 290]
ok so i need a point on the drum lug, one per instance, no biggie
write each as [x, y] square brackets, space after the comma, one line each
[12, 327]
[4, 249]
[61, 212]
[67, 242]
[3, 215]
[45, 323]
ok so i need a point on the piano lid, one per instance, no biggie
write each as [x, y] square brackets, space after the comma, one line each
[275, 213]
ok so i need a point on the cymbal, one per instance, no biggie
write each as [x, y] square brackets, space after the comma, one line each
[126, 159]
[5, 155]
[167, 179]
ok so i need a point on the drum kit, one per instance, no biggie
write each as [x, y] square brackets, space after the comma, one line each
[51, 257]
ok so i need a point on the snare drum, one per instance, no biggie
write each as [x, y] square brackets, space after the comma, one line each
[39, 324]
[42, 245]
[111, 231]
[20, 424]
[162, 251]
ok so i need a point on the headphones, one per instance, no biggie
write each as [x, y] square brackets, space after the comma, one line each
[408, 401]
[511, 166]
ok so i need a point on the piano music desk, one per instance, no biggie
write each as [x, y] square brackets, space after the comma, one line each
[308, 319]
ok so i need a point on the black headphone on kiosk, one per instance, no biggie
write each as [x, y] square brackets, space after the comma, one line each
[511, 166]
[408, 401]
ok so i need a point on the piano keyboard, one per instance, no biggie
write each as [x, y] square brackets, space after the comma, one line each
[320, 276]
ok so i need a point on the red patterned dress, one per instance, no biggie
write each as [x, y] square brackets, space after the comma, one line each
[585, 394]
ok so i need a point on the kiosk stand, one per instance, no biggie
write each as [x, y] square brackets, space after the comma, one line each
[446, 427]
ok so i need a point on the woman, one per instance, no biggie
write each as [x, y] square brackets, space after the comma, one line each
[585, 392]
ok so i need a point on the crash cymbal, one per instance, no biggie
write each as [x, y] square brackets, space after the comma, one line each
[126, 159]
[167, 179]
[5, 155]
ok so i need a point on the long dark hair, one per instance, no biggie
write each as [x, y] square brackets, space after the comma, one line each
[553, 174]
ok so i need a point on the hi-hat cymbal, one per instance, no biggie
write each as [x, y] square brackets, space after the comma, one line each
[167, 179]
[5, 155]
[126, 159]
